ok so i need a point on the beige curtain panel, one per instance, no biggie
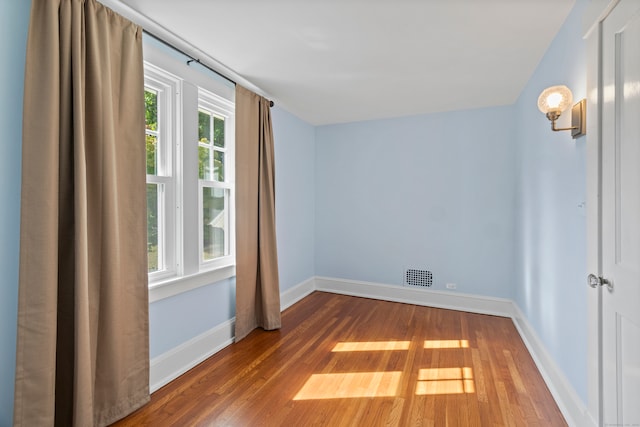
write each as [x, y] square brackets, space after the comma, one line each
[82, 352]
[257, 283]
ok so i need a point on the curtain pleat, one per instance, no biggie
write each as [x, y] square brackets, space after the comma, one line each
[257, 282]
[82, 351]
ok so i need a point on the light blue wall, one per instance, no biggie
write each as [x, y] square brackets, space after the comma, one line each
[551, 216]
[433, 192]
[14, 21]
[177, 319]
[295, 200]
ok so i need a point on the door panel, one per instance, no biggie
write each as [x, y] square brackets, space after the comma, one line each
[621, 214]
[629, 387]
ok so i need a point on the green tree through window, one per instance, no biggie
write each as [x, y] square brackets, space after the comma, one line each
[151, 136]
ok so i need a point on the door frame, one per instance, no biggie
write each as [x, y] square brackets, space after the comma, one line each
[596, 13]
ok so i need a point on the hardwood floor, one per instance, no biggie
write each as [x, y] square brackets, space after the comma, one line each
[347, 361]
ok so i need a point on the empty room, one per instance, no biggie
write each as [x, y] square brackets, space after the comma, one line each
[329, 213]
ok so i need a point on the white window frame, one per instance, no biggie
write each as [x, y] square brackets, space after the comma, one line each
[219, 106]
[192, 89]
[167, 87]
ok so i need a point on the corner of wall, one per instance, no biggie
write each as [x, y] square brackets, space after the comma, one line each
[550, 222]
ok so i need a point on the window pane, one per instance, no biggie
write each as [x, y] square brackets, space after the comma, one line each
[151, 124]
[218, 132]
[204, 163]
[152, 227]
[152, 154]
[204, 127]
[218, 166]
[214, 223]
[151, 108]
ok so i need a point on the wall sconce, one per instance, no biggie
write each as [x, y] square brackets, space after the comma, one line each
[554, 100]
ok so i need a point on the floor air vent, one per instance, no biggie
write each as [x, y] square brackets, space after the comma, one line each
[421, 278]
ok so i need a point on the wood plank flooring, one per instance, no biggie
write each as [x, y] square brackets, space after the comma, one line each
[347, 361]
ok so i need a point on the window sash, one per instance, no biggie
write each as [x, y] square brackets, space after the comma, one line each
[229, 241]
[212, 251]
[166, 228]
[166, 87]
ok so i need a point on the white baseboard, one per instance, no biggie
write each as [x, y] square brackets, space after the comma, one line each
[296, 293]
[570, 404]
[175, 362]
[410, 295]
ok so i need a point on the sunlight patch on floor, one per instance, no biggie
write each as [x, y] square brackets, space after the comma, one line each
[446, 344]
[349, 385]
[445, 381]
[372, 346]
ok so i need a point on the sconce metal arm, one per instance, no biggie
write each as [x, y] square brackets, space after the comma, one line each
[553, 117]
[555, 129]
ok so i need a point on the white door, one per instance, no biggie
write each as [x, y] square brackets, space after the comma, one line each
[621, 215]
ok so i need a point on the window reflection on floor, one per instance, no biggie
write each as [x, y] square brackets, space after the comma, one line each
[349, 385]
[446, 344]
[445, 381]
[430, 381]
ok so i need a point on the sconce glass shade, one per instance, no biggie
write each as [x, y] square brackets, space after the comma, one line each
[555, 99]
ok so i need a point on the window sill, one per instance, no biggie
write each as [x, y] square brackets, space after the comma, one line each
[176, 285]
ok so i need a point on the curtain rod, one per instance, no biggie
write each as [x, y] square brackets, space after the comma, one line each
[176, 42]
[192, 59]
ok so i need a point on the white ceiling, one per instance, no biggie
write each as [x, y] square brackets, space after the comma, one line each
[331, 61]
